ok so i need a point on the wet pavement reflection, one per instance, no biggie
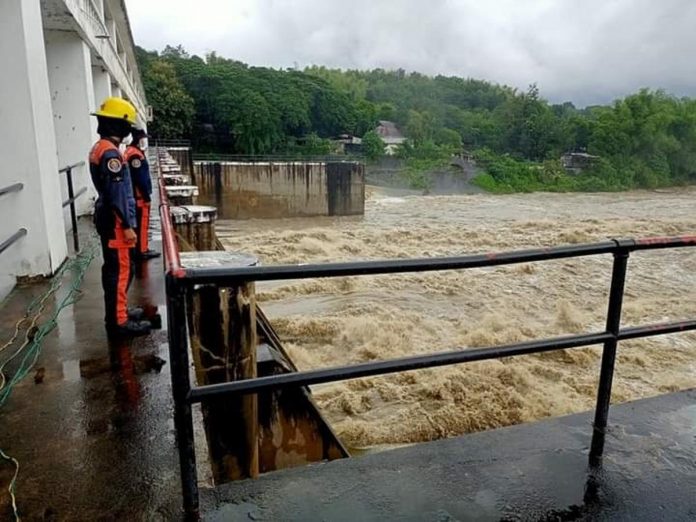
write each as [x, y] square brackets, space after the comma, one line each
[92, 429]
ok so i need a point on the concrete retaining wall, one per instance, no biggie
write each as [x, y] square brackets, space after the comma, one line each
[183, 157]
[242, 190]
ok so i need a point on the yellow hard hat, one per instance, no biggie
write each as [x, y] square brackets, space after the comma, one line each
[117, 108]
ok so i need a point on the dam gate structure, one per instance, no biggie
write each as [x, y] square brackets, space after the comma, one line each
[279, 188]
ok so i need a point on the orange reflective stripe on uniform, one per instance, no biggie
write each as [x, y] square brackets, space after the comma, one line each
[122, 285]
[119, 240]
[133, 152]
[103, 145]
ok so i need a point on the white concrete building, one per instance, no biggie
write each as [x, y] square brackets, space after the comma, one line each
[59, 60]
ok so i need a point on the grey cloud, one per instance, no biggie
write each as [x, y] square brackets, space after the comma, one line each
[585, 51]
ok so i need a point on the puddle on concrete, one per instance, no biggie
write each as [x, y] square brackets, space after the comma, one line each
[146, 363]
[71, 370]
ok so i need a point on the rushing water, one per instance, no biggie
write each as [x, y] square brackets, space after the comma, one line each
[330, 322]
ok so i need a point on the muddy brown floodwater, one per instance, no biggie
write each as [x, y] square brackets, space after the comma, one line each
[331, 322]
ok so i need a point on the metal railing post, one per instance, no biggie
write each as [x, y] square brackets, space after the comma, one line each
[606, 376]
[181, 386]
[73, 214]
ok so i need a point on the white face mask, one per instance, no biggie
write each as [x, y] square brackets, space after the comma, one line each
[127, 140]
[142, 144]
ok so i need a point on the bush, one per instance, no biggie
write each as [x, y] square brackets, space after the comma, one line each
[373, 145]
[421, 158]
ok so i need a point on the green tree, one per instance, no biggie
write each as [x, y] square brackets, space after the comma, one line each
[172, 107]
[646, 139]
[420, 126]
[373, 145]
[448, 138]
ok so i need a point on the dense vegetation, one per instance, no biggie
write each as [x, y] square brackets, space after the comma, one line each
[647, 139]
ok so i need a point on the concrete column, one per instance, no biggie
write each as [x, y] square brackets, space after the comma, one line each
[99, 4]
[102, 84]
[111, 28]
[72, 96]
[116, 90]
[28, 150]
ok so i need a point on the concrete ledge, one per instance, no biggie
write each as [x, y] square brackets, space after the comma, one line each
[529, 472]
[181, 191]
[176, 179]
[193, 214]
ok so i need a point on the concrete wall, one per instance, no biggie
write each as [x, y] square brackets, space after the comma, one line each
[72, 99]
[28, 149]
[243, 190]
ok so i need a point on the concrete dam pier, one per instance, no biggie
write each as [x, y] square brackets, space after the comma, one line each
[244, 190]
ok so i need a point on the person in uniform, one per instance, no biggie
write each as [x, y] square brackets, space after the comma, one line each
[114, 215]
[142, 190]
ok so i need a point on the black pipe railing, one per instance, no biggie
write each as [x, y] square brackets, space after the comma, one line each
[171, 142]
[71, 200]
[7, 243]
[181, 281]
[15, 187]
[12, 239]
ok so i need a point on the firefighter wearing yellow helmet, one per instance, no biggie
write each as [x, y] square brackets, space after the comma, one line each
[114, 214]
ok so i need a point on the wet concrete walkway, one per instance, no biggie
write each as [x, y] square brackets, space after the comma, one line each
[92, 428]
[528, 472]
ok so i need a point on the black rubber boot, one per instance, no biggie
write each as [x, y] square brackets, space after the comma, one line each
[129, 329]
[155, 321]
[146, 313]
[136, 313]
[148, 254]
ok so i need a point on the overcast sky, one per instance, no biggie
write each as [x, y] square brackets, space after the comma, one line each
[586, 51]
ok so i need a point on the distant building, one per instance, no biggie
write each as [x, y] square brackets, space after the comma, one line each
[391, 136]
[576, 162]
[347, 144]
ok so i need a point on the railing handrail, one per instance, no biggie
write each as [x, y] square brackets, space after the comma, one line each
[12, 239]
[72, 199]
[15, 187]
[7, 243]
[394, 266]
[170, 245]
[416, 362]
[173, 142]
[70, 167]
